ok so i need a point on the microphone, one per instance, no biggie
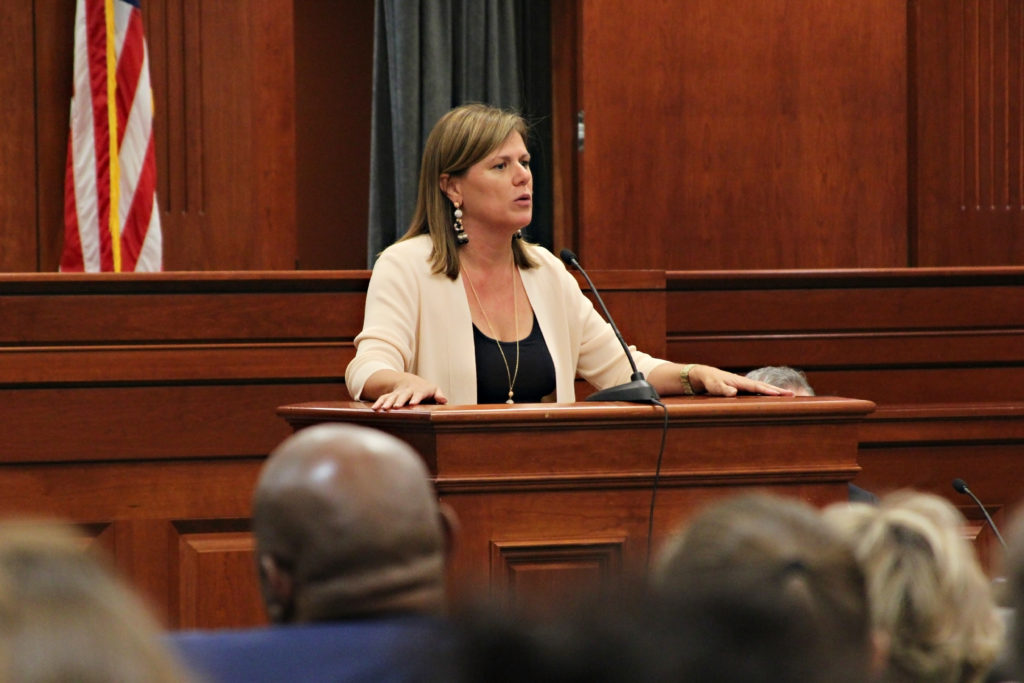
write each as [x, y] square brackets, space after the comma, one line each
[638, 389]
[960, 486]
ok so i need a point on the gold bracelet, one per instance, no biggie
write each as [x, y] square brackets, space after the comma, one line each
[684, 379]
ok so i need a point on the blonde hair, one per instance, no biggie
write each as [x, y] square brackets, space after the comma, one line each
[65, 616]
[1015, 589]
[926, 590]
[461, 138]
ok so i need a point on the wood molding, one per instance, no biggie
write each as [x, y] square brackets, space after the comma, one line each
[529, 573]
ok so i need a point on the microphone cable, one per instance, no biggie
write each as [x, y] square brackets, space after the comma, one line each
[654, 484]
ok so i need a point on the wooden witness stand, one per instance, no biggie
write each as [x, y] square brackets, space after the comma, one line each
[557, 496]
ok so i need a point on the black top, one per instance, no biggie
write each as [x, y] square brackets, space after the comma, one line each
[536, 377]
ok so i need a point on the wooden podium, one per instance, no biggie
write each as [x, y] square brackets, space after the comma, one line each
[552, 496]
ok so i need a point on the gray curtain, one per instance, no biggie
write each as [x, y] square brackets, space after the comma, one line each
[429, 56]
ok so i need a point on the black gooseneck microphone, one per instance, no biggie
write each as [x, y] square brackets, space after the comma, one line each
[638, 389]
[960, 486]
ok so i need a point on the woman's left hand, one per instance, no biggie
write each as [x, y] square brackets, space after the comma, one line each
[711, 380]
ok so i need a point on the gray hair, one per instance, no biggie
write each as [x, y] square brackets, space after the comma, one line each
[783, 377]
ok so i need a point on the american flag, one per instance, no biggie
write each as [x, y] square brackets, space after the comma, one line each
[110, 160]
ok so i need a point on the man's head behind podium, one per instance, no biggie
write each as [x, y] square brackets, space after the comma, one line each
[347, 525]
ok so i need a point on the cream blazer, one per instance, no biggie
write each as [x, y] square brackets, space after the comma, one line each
[419, 322]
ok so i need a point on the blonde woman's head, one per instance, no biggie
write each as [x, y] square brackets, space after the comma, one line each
[460, 138]
[930, 601]
[65, 616]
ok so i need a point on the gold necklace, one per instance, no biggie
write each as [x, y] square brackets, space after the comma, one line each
[512, 376]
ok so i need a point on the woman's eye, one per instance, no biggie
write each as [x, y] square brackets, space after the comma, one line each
[525, 163]
[500, 166]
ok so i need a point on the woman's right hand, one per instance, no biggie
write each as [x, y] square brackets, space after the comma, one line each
[405, 389]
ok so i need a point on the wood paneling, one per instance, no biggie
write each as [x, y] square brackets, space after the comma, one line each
[891, 336]
[636, 300]
[142, 406]
[926, 447]
[537, 573]
[203, 417]
[225, 132]
[216, 581]
[969, 138]
[744, 135]
[333, 88]
[565, 56]
[53, 42]
[17, 153]
[137, 505]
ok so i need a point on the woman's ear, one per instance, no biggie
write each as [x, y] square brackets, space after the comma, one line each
[450, 187]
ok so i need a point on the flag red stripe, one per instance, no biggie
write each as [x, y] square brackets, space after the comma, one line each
[96, 38]
[137, 221]
[71, 258]
[129, 66]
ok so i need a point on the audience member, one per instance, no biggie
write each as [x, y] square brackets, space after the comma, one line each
[1015, 594]
[351, 550]
[728, 635]
[931, 604]
[65, 616]
[769, 592]
[347, 524]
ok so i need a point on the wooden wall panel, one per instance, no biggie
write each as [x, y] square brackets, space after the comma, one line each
[53, 41]
[969, 104]
[636, 300]
[196, 419]
[333, 97]
[216, 580]
[565, 59]
[226, 317]
[225, 73]
[535, 573]
[926, 447]
[890, 336]
[136, 506]
[743, 135]
[17, 148]
[142, 406]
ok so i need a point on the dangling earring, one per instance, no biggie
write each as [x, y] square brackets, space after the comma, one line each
[460, 233]
[518, 235]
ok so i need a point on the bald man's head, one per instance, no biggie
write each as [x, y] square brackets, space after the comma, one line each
[347, 524]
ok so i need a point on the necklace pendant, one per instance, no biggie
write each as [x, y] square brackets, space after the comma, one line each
[510, 401]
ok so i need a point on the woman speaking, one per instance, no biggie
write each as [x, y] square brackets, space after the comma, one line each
[463, 310]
